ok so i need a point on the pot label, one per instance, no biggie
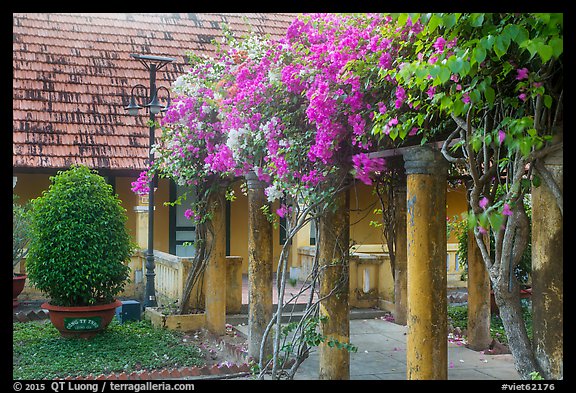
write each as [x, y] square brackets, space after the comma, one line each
[82, 324]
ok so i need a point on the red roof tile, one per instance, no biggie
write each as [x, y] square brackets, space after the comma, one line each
[73, 74]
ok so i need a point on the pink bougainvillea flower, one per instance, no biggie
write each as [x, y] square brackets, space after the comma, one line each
[522, 96]
[431, 91]
[439, 44]
[385, 61]
[282, 211]
[141, 186]
[522, 73]
[465, 98]
[382, 108]
[400, 96]
[188, 214]
[506, 210]
[483, 203]
[482, 230]
[501, 136]
[364, 165]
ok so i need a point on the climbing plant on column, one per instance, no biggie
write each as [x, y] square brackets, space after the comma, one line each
[491, 86]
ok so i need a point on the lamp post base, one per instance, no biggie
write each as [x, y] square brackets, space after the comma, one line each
[150, 292]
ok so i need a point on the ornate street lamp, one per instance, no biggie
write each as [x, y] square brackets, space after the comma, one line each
[153, 106]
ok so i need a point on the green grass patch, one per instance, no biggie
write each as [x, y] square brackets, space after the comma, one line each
[40, 352]
[459, 317]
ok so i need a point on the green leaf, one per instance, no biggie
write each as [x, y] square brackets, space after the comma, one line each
[479, 54]
[511, 31]
[472, 220]
[434, 22]
[534, 45]
[501, 45]
[521, 36]
[547, 101]
[487, 42]
[476, 20]
[458, 107]
[402, 19]
[490, 95]
[496, 220]
[421, 72]
[455, 64]
[557, 45]
[445, 103]
[474, 95]
[476, 143]
[444, 74]
[545, 52]
[525, 146]
[449, 20]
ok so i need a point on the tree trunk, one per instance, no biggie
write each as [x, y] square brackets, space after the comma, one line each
[507, 289]
[508, 303]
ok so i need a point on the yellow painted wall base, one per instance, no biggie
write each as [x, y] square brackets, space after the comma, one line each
[182, 323]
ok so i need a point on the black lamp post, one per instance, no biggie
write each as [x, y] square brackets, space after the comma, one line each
[153, 64]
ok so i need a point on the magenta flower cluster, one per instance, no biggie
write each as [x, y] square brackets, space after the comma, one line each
[290, 110]
[226, 119]
[141, 186]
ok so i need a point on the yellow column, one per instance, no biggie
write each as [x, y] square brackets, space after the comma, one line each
[259, 269]
[141, 211]
[547, 273]
[426, 343]
[333, 251]
[215, 273]
[400, 264]
[141, 236]
[479, 337]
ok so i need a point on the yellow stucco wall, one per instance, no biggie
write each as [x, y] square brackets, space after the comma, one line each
[239, 229]
[362, 204]
[30, 186]
[239, 226]
[456, 204]
[363, 201]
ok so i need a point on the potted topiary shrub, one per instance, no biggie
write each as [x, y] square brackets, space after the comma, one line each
[20, 239]
[78, 251]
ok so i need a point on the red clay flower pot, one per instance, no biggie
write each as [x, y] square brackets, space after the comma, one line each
[18, 281]
[84, 321]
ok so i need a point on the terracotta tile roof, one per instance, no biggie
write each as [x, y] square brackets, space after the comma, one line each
[72, 76]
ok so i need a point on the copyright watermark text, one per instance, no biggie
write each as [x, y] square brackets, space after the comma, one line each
[528, 386]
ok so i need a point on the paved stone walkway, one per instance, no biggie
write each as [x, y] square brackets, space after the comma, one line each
[381, 355]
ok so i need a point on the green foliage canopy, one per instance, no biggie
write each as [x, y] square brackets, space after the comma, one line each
[79, 240]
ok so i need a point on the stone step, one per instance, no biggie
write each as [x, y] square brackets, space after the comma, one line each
[355, 313]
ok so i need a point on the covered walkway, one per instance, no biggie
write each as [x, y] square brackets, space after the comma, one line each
[382, 356]
[382, 350]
